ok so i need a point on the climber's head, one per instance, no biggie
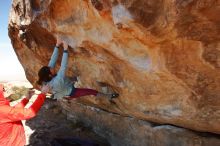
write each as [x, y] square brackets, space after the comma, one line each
[45, 74]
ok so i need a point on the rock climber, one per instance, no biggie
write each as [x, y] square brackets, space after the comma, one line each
[11, 128]
[61, 85]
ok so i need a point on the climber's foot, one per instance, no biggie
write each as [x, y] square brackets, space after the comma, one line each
[114, 95]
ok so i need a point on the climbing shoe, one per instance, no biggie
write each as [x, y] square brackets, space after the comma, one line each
[114, 95]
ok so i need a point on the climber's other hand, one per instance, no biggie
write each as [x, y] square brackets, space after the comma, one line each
[65, 45]
[59, 41]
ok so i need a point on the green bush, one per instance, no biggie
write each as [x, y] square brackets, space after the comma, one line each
[18, 92]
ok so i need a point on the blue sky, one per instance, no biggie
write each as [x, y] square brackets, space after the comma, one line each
[10, 68]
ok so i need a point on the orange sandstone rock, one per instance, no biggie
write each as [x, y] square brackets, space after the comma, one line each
[162, 56]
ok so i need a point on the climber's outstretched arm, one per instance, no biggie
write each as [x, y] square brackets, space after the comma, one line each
[55, 54]
[64, 62]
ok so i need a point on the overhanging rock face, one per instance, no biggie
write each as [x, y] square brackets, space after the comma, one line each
[161, 56]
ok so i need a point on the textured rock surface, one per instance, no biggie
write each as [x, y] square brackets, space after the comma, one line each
[126, 131]
[51, 123]
[162, 56]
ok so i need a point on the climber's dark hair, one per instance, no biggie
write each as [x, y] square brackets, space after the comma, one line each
[44, 75]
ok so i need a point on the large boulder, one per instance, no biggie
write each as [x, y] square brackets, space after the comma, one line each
[161, 56]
